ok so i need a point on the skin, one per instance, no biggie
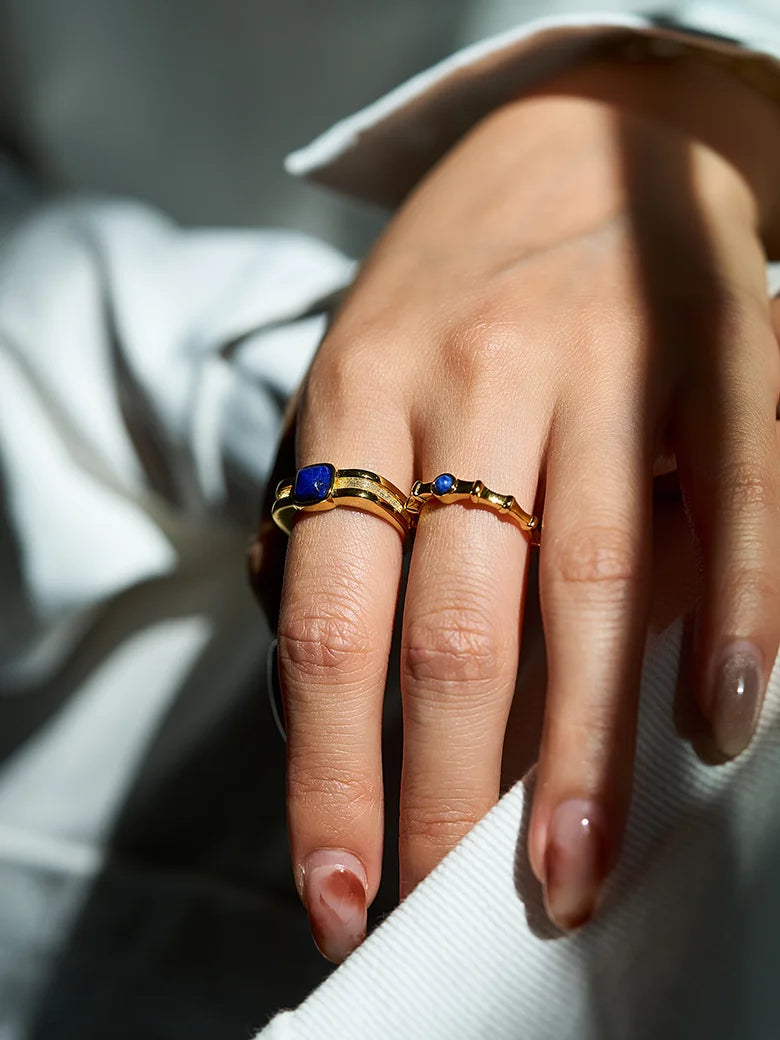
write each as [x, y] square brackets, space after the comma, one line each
[572, 302]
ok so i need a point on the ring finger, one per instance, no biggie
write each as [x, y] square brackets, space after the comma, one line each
[594, 593]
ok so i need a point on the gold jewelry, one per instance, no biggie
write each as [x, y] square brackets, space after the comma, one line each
[322, 487]
[446, 488]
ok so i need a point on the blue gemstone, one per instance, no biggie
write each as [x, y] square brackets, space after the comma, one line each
[443, 483]
[313, 484]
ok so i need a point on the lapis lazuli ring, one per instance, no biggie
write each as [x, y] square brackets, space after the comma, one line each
[321, 487]
[446, 488]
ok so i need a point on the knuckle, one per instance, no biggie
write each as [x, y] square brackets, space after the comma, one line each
[325, 641]
[453, 646]
[599, 557]
[348, 369]
[747, 485]
[593, 733]
[437, 826]
[309, 789]
[749, 589]
[478, 350]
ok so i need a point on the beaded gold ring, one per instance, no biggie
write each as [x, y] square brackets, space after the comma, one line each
[446, 488]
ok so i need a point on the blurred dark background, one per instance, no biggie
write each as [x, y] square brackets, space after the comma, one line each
[192, 104]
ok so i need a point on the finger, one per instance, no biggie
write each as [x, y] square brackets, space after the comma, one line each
[731, 475]
[338, 601]
[460, 642]
[594, 569]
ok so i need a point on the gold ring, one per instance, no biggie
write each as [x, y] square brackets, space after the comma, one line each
[319, 488]
[446, 488]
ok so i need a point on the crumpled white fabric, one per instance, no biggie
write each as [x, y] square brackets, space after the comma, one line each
[143, 370]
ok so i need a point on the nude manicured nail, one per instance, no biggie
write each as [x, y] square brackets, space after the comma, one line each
[334, 893]
[736, 697]
[574, 862]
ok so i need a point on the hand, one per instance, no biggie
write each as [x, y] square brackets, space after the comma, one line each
[573, 300]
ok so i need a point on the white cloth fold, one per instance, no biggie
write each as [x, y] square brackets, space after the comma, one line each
[380, 152]
[143, 370]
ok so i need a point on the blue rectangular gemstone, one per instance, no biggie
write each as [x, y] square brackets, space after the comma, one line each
[313, 484]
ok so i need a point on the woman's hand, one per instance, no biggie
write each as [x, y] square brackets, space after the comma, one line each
[574, 297]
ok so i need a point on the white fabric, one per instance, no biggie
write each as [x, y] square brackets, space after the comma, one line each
[149, 310]
[143, 370]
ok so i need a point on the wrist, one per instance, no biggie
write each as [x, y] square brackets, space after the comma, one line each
[689, 97]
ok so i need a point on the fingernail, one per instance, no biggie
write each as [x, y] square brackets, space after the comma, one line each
[334, 893]
[574, 862]
[736, 697]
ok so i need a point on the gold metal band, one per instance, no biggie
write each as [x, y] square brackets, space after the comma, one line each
[329, 487]
[446, 488]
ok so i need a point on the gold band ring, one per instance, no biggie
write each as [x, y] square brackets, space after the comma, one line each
[446, 488]
[319, 488]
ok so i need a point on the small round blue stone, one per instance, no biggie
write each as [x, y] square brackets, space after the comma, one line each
[443, 483]
[313, 484]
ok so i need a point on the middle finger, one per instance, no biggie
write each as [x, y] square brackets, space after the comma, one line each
[461, 639]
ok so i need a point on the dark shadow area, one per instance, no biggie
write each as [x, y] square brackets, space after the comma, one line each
[17, 611]
[392, 762]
